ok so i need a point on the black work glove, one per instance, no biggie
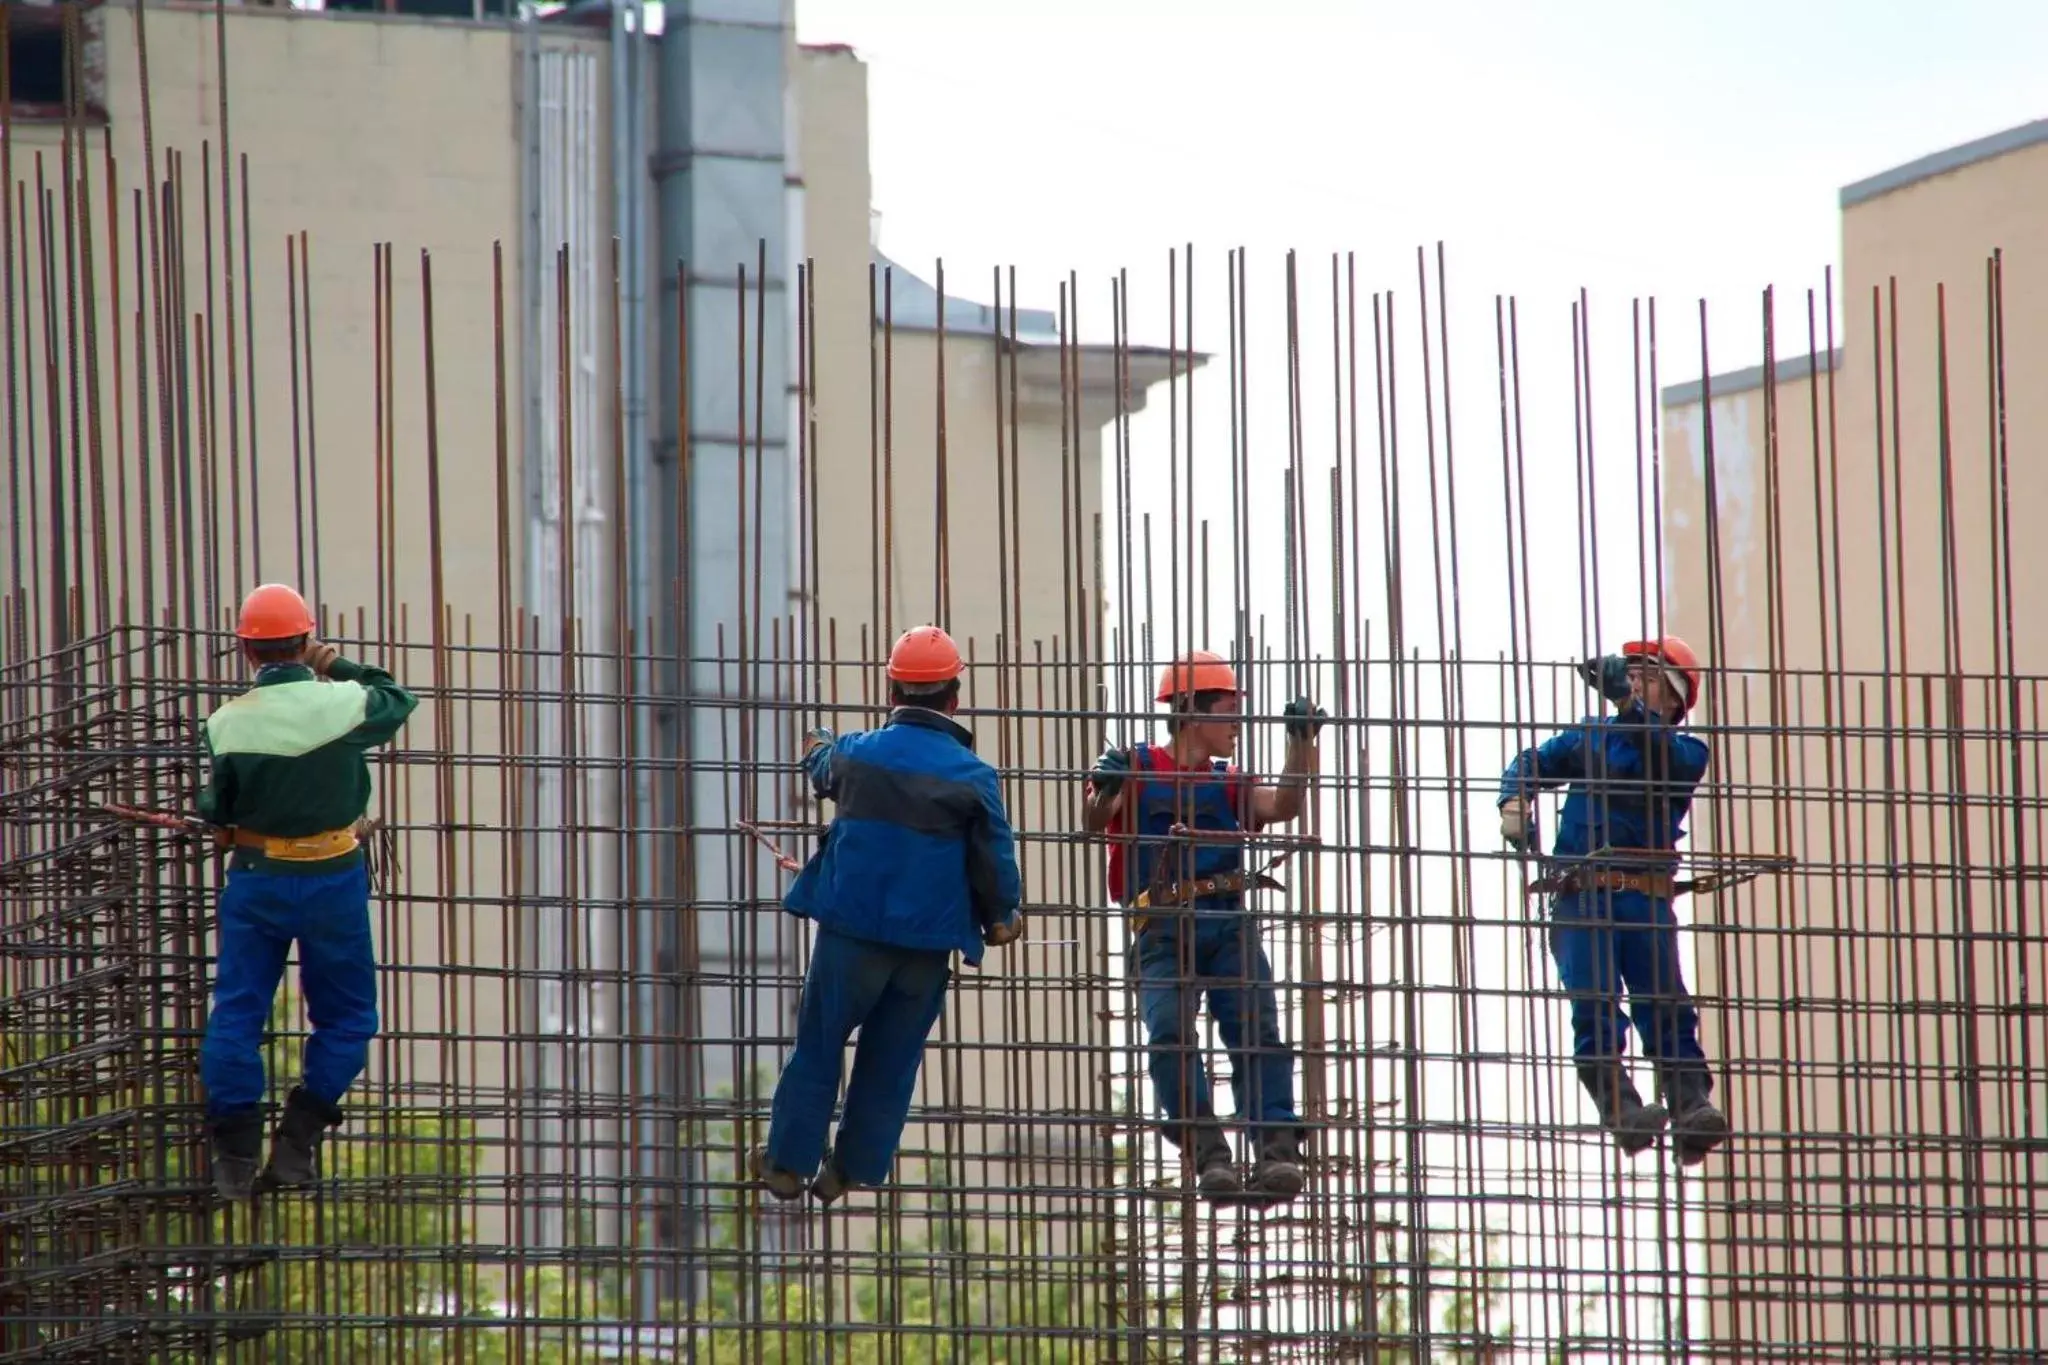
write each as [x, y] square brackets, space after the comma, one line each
[1006, 932]
[1304, 718]
[1608, 675]
[1109, 772]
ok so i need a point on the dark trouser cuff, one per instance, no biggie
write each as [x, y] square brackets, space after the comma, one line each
[304, 1101]
[239, 1133]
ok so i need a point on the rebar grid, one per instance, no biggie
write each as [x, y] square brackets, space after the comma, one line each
[579, 1037]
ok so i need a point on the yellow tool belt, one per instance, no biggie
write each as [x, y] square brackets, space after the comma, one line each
[1657, 885]
[306, 848]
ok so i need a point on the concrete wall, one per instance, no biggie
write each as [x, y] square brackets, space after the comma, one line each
[357, 130]
[1905, 985]
[430, 157]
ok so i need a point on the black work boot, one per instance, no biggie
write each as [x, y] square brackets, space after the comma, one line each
[1215, 1168]
[1635, 1125]
[832, 1181]
[237, 1145]
[295, 1146]
[784, 1185]
[1277, 1176]
[1697, 1127]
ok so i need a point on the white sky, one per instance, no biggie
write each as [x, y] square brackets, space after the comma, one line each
[1676, 149]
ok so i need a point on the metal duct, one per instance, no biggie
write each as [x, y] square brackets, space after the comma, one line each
[565, 225]
[720, 171]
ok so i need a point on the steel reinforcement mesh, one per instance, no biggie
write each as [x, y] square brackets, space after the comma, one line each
[587, 987]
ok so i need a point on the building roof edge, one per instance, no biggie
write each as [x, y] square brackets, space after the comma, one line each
[1956, 158]
[1744, 380]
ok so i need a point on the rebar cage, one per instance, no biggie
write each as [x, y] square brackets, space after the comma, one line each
[586, 982]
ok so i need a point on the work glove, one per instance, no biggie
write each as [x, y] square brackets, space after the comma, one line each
[1009, 931]
[1516, 825]
[1303, 719]
[1608, 675]
[319, 656]
[1109, 772]
[814, 738]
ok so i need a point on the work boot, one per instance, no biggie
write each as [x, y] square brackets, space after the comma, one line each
[1635, 1125]
[1215, 1168]
[1697, 1127]
[832, 1181]
[237, 1143]
[295, 1146]
[1278, 1174]
[783, 1185]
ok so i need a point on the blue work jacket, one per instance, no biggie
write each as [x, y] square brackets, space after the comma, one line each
[1631, 778]
[919, 853]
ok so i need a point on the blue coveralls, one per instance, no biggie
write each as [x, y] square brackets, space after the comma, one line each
[1631, 778]
[918, 860]
[1211, 946]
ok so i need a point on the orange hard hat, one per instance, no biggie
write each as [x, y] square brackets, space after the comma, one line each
[274, 612]
[924, 654]
[1196, 671]
[1672, 652]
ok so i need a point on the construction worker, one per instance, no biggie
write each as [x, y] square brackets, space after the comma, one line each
[1631, 778]
[288, 782]
[919, 863]
[1194, 933]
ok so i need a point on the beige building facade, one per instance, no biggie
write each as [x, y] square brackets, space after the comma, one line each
[480, 148]
[1863, 590]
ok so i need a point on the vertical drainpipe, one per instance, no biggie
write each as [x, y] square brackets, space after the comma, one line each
[533, 1224]
[800, 605]
[652, 1163]
[719, 173]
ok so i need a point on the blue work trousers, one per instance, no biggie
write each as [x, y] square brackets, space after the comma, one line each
[1178, 960]
[261, 915]
[1605, 941]
[893, 996]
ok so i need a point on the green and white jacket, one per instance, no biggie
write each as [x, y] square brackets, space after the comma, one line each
[290, 757]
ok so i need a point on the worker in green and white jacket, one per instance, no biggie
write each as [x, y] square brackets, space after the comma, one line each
[289, 780]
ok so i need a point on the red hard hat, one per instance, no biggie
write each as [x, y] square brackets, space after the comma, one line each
[274, 612]
[924, 654]
[1196, 671]
[1673, 653]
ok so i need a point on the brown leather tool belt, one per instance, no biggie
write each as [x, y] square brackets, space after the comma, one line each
[1186, 893]
[1168, 894]
[1657, 885]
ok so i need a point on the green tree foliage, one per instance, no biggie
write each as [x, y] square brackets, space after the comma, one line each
[1471, 1321]
[951, 1289]
[374, 1266]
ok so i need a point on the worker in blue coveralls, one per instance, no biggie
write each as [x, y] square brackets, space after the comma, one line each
[288, 780]
[918, 863]
[1631, 778]
[1194, 933]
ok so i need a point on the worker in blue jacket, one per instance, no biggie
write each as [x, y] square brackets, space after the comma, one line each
[1631, 778]
[919, 863]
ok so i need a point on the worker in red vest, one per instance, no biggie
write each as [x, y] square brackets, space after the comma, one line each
[1194, 932]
